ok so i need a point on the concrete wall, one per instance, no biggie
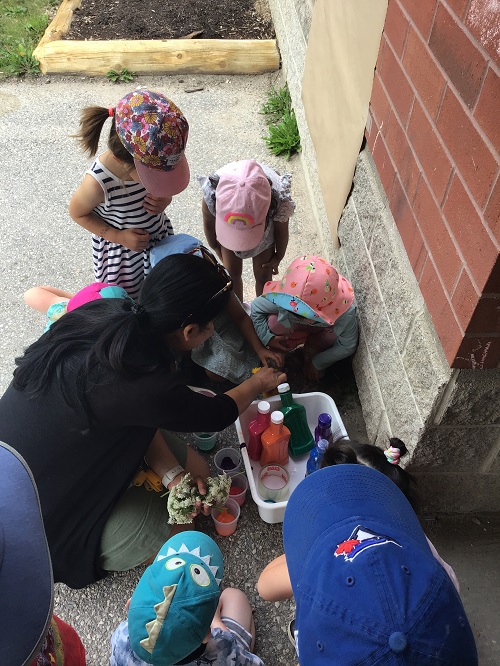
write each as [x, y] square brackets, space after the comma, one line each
[450, 419]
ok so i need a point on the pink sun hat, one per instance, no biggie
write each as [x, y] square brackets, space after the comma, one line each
[311, 288]
[155, 132]
[243, 196]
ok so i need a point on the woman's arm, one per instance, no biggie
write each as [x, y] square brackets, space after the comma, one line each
[274, 582]
[266, 379]
[237, 313]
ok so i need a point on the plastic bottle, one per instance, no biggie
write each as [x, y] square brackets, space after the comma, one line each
[324, 428]
[275, 442]
[316, 456]
[301, 438]
[257, 427]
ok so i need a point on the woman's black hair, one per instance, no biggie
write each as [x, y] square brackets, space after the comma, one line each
[118, 335]
[273, 204]
[346, 451]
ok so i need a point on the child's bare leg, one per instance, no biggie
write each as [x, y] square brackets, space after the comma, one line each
[262, 275]
[41, 298]
[235, 605]
[234, 266]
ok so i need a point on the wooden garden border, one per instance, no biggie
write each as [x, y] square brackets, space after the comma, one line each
[157, 56]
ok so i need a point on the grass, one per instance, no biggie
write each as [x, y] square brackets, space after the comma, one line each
[22, 24]
[284, 137]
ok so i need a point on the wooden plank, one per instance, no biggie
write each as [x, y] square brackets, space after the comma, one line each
[61, 22]
[168, 56]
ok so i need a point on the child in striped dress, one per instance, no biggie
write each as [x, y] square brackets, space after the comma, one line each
[123, 196]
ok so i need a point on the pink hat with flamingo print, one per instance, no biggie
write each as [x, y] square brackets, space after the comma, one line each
[311, 288]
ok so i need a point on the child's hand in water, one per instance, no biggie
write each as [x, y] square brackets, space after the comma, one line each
[156, 205]
[278, 343]
[133, 239]
[271, 359]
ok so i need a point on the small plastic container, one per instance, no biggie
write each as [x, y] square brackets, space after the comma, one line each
[227, 461]
[226, 528]
[273, 483]
[205, 441]
[239, 483]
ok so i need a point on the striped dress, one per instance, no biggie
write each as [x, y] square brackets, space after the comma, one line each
[123, 209]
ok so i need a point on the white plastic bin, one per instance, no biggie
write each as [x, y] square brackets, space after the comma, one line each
[315, 403]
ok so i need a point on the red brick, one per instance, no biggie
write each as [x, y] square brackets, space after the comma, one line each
[457, 55]
[482, 21]
[437, 237]
[444, 320]
[396, 26]
[492, 211]
[458, 6]
[465, 299]
[384, 165]
[429, 149]
[486, 318]
[396, 84]
[470, 233]
[402, 156]
[423, 72]
[408, 228]
[474, 159]
[422, 12]
[493, 284]
[488, 108]
[478, 353]
[380, 104]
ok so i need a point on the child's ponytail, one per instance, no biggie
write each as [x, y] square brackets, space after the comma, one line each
[92, 119]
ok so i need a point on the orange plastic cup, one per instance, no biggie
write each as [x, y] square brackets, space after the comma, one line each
[226, 527]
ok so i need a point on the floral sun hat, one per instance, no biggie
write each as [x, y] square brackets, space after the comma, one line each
[155, 132]
[311, 288]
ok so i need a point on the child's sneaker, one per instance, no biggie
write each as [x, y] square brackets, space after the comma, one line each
[291, 631]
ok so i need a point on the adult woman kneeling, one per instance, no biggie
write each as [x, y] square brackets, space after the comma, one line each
[86, 404]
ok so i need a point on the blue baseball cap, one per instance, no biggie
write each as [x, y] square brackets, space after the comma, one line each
[26, 584]
[367, 588]
[175, 600]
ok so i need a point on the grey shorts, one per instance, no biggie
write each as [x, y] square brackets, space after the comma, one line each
[138, 525]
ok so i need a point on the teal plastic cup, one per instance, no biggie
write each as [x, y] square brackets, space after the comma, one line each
[205, 441]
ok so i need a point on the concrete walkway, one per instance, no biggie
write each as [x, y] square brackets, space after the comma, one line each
[41, 168]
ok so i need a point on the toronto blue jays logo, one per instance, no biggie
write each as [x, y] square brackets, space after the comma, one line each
[361, 539]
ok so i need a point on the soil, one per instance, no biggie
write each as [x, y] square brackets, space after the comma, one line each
[172, 19]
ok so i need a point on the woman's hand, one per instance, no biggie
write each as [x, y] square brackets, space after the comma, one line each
[269, 379]
[156, 205]
[133, 239]
[270, 359]
[202, 489]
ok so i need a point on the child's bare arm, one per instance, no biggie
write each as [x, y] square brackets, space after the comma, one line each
[81, 208]
[41, 298]
[281, 236]
[245, 324]
[209, 229]
[274, 582]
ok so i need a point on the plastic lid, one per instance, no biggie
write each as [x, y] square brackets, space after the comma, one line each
[263, 407]
[325, 419]
[277, 417]
[322, 444]
[283, 388]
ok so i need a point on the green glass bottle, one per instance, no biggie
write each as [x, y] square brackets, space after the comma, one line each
[301, 439]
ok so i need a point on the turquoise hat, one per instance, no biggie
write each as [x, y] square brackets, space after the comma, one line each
[175, 600]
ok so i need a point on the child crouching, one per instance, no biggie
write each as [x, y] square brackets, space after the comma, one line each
[177, 614]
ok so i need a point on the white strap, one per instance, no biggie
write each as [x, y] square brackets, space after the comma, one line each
[169, 476]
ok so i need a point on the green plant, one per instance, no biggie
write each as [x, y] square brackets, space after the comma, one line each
[284, 137]
[278, 102]
[22, 24]
[18, 60]
[123, 76]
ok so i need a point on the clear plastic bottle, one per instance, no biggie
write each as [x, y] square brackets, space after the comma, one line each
[256, 428]
[301, 437]
[324, 428]
[316, 456]
[275, 442]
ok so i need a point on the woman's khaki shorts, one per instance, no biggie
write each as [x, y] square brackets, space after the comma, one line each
[138, 526]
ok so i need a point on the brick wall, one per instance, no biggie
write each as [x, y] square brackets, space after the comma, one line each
[434, 131]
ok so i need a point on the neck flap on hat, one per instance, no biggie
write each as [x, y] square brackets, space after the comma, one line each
[312, 288]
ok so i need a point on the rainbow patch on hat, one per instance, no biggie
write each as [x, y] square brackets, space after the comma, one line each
[241, 220]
